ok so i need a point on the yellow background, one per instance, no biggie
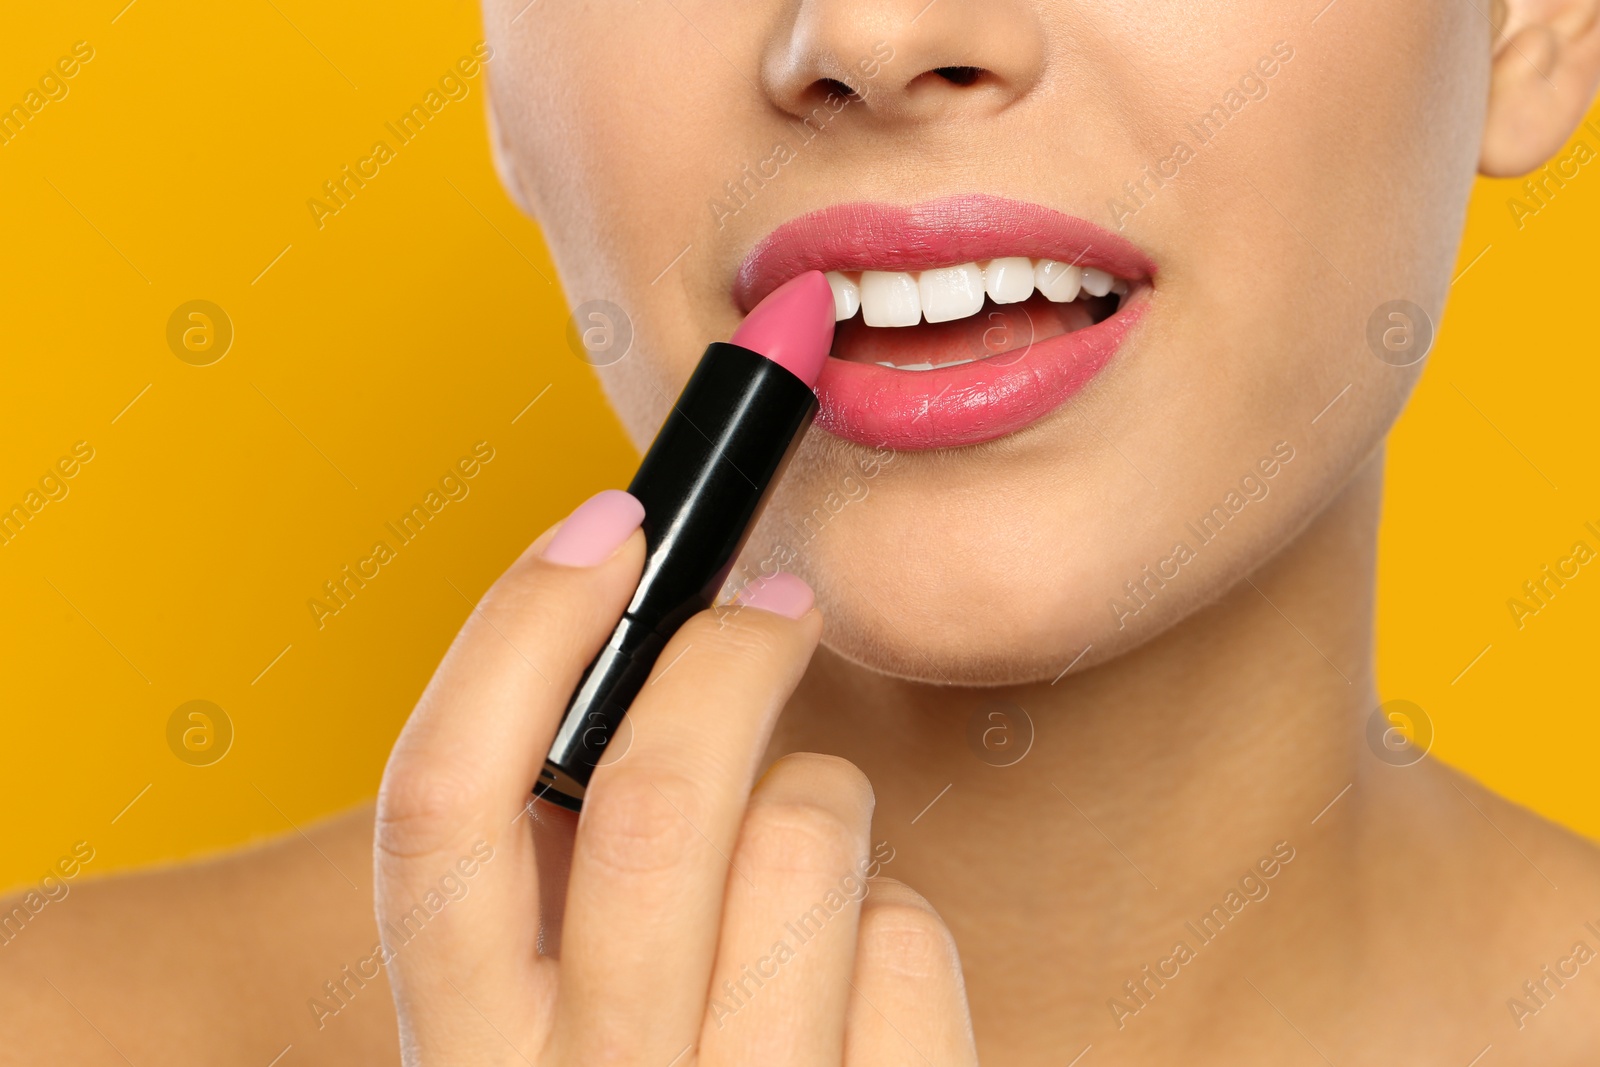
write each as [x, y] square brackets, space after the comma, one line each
[370, 354]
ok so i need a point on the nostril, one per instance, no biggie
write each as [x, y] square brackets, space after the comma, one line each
[832, 86]
[959, 75]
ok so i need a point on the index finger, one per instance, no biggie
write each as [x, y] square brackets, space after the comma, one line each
[461, 772]
[473, 746]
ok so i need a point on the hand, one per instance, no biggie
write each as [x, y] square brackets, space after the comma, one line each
[708, 919]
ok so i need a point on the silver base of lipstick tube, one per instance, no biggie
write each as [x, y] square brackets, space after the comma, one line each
[558, 787]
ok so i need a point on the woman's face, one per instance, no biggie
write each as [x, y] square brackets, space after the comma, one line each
[1266, 178]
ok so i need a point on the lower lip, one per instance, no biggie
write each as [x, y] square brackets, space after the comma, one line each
[970, 403]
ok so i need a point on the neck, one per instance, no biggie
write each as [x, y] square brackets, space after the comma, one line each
[1153, 783]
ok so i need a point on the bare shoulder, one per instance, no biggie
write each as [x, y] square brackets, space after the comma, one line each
[222, 961]
[1501, 909]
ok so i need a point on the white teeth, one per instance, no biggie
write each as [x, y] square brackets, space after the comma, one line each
[925, 366]
[889, 298]
[951, 292]
[846, 295]
[944, 294]
[1059, 282]
[1009, 280]
[1097, 282]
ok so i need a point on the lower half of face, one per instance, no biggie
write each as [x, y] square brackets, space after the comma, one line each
[1131, 292]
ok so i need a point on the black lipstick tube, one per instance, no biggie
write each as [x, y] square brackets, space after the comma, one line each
[703, 484]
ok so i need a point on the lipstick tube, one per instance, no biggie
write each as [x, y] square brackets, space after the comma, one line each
[703, 483]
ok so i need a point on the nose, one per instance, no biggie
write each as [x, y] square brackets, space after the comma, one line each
[905, 61]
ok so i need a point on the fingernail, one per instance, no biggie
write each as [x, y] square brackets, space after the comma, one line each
[781, 594]
[595, 530]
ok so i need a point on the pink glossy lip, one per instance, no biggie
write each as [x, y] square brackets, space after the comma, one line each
[973, 402]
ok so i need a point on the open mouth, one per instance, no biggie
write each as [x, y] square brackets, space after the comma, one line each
[959, 320]
[949, 316]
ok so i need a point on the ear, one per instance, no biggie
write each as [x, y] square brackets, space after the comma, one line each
[1546, 65]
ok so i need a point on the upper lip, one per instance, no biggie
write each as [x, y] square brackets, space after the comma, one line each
[934, 233]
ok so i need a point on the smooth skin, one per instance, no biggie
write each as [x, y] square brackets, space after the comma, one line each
[1164, 767]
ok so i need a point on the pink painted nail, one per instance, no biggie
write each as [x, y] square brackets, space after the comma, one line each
[781, 594]
[595, 530]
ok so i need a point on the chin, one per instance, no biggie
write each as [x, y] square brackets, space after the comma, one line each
[921, 579]
[1004, 569]
[947, 651]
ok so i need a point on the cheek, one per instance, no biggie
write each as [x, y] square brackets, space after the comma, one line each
[1378, 181]
[621, 193]
[641, 387]
[575, 150]
[619, 115]
[1284, 239]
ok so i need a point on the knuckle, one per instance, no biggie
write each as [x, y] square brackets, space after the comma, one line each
[736, 635]
[630, 826]
[800, 837]
[906, 937]
[423, 809]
